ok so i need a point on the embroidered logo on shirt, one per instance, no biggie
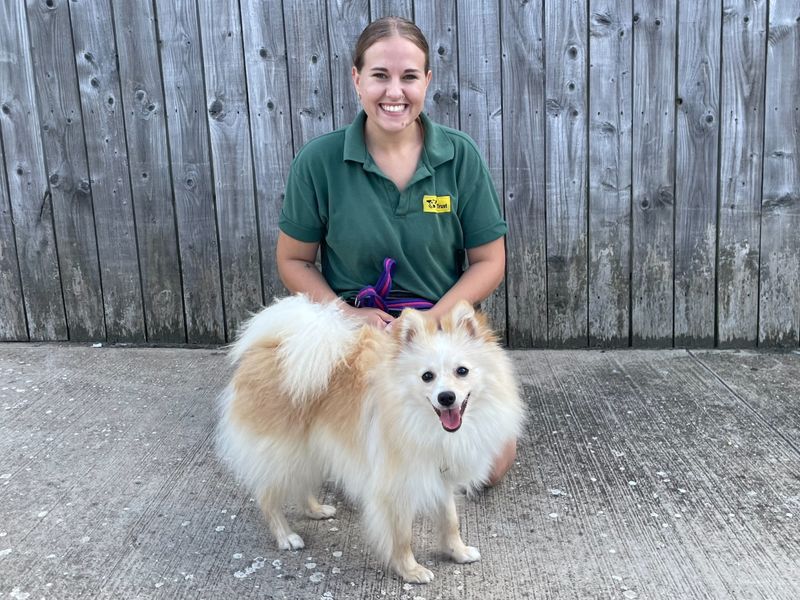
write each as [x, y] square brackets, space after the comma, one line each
[436, 204]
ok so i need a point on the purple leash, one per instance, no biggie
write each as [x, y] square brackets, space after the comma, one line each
[377, 296]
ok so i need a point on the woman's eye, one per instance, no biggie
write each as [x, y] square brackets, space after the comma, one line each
[428, 376]
[462, 371]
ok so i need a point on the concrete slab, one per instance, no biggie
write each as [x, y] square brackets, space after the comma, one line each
[641, 474]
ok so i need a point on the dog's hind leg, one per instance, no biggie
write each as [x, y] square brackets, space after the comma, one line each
[451, 541]
[271, 503]
[315, 510]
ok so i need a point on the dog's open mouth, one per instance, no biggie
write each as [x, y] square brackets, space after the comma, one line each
[451, 418]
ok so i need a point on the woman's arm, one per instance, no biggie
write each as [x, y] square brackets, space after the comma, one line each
[298, 273]
[297, 269]
[487, 264]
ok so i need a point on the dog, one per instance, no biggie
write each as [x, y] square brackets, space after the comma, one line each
[399, 419]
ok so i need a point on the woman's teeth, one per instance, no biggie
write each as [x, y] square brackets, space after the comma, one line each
[393, 108]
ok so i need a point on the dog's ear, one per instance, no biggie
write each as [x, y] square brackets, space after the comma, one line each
[462, 316]
[408, 325]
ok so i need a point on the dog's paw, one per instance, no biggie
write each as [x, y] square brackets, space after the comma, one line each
[291, 542]
[416, 574]
[321, 511]
[465, 554]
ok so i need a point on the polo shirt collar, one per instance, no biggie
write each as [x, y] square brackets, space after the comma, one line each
[438, 146]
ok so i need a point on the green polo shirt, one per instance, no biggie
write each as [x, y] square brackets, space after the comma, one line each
[336, 195]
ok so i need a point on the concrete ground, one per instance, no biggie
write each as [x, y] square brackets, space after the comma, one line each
[641, 474]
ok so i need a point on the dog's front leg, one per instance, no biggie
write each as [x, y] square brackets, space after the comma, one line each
[390, 530]
[451, 541]
[270, 501]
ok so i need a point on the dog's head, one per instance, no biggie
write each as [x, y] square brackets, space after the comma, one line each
[445, 362]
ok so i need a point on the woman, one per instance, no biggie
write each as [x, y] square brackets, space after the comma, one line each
[392, 184]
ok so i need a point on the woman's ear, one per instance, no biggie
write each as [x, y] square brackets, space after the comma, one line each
[356, 76]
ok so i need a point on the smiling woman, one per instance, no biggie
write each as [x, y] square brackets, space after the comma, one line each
[393, 197]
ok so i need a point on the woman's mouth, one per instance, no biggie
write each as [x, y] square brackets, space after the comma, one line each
[393, 109]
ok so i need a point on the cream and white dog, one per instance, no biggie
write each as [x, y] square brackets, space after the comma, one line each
[397, 419]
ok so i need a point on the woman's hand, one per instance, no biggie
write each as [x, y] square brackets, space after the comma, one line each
[370, 316]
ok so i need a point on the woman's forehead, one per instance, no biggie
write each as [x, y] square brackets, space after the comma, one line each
[394, 52]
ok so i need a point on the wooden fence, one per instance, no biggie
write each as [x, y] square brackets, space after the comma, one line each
[646, 152]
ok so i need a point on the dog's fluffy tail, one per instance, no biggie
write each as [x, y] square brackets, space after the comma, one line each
[311, 340]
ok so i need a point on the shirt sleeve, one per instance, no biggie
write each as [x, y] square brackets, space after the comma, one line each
[300, 216]
[479, 206]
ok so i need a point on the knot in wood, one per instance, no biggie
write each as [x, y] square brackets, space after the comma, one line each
[553, 107]
[602, 19]
[215, 109]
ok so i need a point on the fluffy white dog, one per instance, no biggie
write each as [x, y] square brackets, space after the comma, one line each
[398, 419]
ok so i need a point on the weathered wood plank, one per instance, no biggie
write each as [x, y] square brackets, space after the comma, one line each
[29, 194]
[391, 8]
[104, 128]
[524, 171]
[744, 25]
[187, 133]
[481, 108]
[145, 128]
[13, 326]
[438, 22]
[232, 161]
[779, 301]
[610, 163]
[346, 21]
[654, 30]
[271, 126]
[566, 171]
[696, 182]
[308, 59]
[67, 171]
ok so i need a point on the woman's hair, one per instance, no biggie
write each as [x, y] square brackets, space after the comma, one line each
[387, 27]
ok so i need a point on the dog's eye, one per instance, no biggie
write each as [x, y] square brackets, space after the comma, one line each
[428, 376]
[462, 371]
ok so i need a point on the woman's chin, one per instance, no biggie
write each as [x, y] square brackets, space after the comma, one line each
[392, 123]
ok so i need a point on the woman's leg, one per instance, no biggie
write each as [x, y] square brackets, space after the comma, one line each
[503, 462]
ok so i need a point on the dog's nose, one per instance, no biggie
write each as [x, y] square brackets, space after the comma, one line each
[446, 398]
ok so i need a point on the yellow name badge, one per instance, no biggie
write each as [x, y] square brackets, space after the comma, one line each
[436, 204]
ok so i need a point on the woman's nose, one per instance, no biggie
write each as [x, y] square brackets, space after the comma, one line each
[394, 90]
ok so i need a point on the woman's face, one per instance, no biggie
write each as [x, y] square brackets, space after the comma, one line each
[392, 84]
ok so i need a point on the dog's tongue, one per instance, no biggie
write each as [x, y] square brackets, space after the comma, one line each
[451, 419]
